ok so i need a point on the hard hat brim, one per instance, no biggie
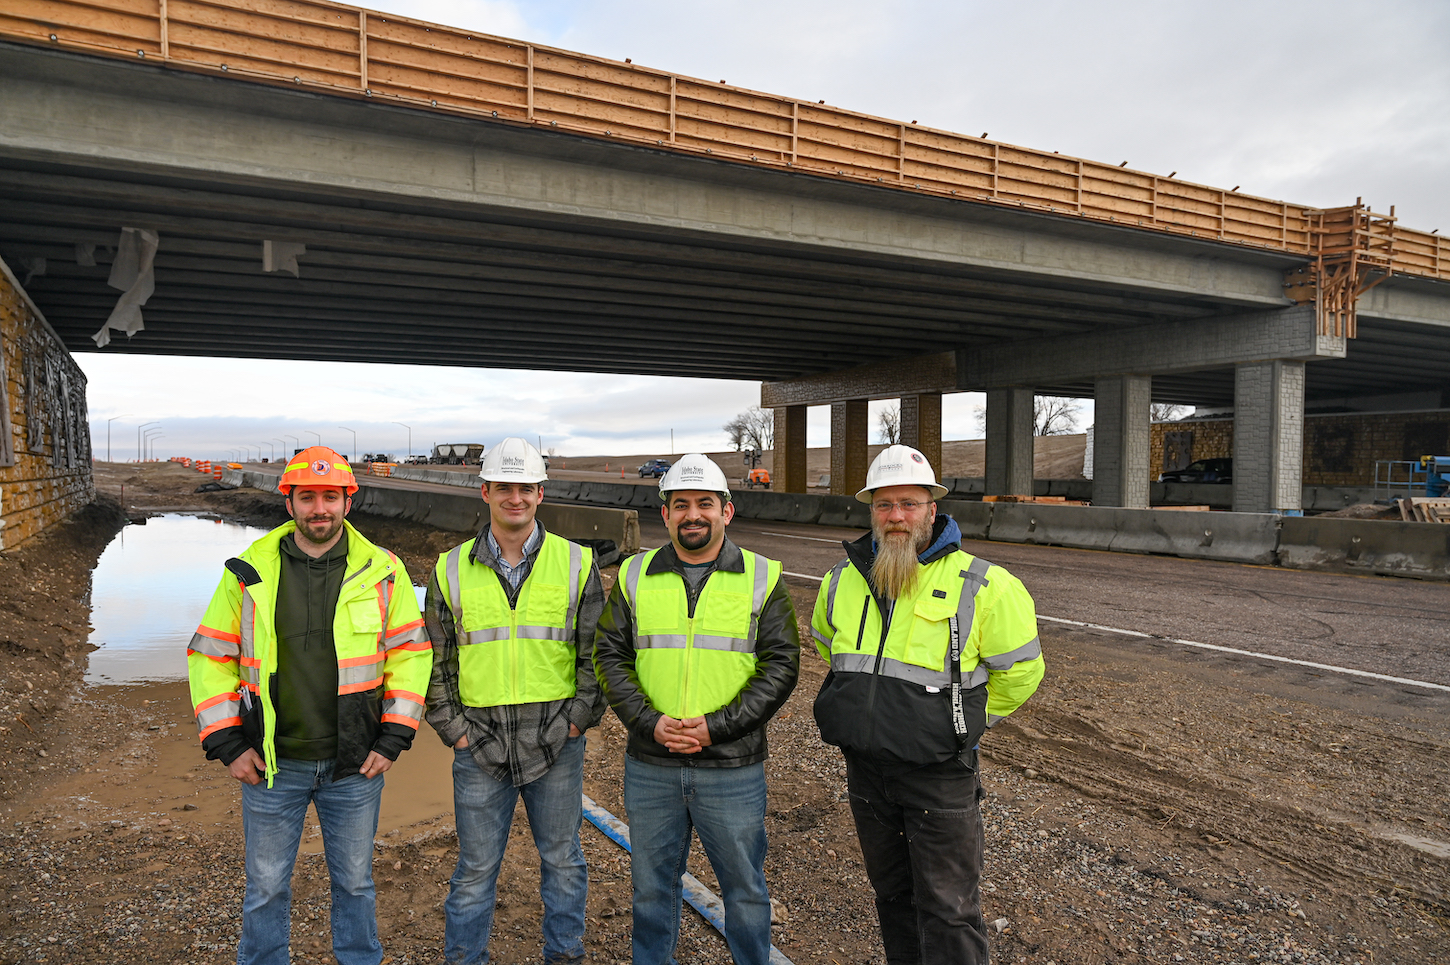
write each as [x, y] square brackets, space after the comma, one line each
[937, 491]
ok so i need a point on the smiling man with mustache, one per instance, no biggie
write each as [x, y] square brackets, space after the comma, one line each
[697, 649]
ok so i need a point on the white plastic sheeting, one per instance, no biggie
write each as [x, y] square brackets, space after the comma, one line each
[133, 273]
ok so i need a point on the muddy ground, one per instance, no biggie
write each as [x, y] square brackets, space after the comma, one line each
[1148, 805]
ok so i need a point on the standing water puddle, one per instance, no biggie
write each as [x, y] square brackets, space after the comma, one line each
[150, 589]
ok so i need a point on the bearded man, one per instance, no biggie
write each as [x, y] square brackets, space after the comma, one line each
[929, 646]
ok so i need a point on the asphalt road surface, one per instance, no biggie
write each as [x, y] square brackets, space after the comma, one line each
[1380, 625]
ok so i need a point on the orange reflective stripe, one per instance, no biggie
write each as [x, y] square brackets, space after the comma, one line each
[360, 687]
[360, 661]
[228, 722]
[212, 656]
[405, 627]
[216, 634]
[219, 698]
[415, 645]
[403, 694]
[251, 662]
[400, 719]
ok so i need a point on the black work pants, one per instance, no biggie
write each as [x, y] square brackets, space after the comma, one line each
[921, 837]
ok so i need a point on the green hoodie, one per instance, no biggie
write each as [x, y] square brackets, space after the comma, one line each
[306, 679]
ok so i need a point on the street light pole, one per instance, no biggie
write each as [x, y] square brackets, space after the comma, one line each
[147, 441]
[354, 441]
[315, 433]
[151, 441]
[138, 437]
[270, 447]
[410, 436]
[108, 433]
[294, 439]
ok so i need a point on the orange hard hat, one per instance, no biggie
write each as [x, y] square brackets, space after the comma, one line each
[317, 466]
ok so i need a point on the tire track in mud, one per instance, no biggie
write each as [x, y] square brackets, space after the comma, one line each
[1315, 790]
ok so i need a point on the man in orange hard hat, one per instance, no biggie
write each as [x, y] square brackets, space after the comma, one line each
[307, 675]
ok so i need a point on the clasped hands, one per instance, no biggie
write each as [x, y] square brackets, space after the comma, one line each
[688, 736]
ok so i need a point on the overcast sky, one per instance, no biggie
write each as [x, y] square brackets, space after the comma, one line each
[1314, 102]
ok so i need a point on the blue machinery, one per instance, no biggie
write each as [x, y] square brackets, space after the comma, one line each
[699, 897]
[1430, 474]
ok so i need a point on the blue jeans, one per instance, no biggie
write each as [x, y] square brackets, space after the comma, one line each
[272, 820]
[726, 806]
[483, 809]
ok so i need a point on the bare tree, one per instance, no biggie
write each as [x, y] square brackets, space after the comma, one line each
[752, 429]
[1054, 415]
[1166, 412]
[888, 421]
[1051, 416]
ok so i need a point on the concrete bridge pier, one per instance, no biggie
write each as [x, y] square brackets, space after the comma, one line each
[1009, 442]
[1269, 436]
[921, 426]
[849, 438]
[788, 474]
[1121, 441]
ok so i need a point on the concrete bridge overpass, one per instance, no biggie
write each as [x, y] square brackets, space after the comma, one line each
[518, 226]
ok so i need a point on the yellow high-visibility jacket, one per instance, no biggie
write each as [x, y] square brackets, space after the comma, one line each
[383, 656]
[888, 695]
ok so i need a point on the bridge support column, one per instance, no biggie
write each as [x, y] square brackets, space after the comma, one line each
[848, 446]
[788, 470]
[1121, 441]
[1268, 437]
[1009, 442]
[921, 426]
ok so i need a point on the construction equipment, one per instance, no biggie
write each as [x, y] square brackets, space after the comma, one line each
[1437, 475]
[457, 454]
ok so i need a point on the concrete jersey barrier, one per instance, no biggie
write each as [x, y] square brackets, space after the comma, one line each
[1232, 537]
[1385, 547]
[465, 511]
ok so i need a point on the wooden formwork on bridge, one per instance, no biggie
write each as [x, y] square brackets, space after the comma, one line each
[348, 51]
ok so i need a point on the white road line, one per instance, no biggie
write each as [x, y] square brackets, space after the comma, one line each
[1213, 646]
[1250, 653]
[816, 539]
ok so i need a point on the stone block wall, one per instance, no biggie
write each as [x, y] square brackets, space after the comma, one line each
[45, 437]
[1340, 449]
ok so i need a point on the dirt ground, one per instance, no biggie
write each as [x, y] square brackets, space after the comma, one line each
[1146, 806]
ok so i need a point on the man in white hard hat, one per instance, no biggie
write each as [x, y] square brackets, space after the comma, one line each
[928, 646]
[513, 613]
[697, 649]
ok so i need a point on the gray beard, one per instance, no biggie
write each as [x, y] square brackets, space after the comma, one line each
[895, 569]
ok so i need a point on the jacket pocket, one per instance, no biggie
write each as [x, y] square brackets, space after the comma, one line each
[929, 635]
[363, 616]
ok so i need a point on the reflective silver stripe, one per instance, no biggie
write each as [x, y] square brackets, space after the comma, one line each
[455, 596]
[707, 641]
[211, 646]
[637, 565]
[253, 676]
[540, 633]
[834, 577]
[403, 707]
[219, 712]
[487, 635]
[910, 672]
[976, 578]
[361, 673]
[992, 720]
[576, 560]
[761, 587]
[820, 637]
[1004, 661]
[418, 634]
[248, 628]
[660, 641]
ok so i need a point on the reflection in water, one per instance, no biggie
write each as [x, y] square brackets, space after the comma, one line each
[150, 589]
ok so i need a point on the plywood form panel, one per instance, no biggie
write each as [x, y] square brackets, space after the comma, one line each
[348, 50]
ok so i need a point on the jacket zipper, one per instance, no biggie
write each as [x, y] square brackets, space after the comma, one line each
[691, 599]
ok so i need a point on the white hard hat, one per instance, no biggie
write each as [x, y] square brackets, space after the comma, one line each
[513, 460]
[694, 471]
[900, 466]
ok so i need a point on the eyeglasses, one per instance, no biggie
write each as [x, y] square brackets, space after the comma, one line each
[908, 506]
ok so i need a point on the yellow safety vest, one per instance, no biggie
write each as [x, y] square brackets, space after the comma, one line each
[691, 666]
[521, 654]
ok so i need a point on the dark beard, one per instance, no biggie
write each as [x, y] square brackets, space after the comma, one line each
[895, 569]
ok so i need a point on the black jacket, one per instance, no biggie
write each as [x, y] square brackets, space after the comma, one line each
[737, 730]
